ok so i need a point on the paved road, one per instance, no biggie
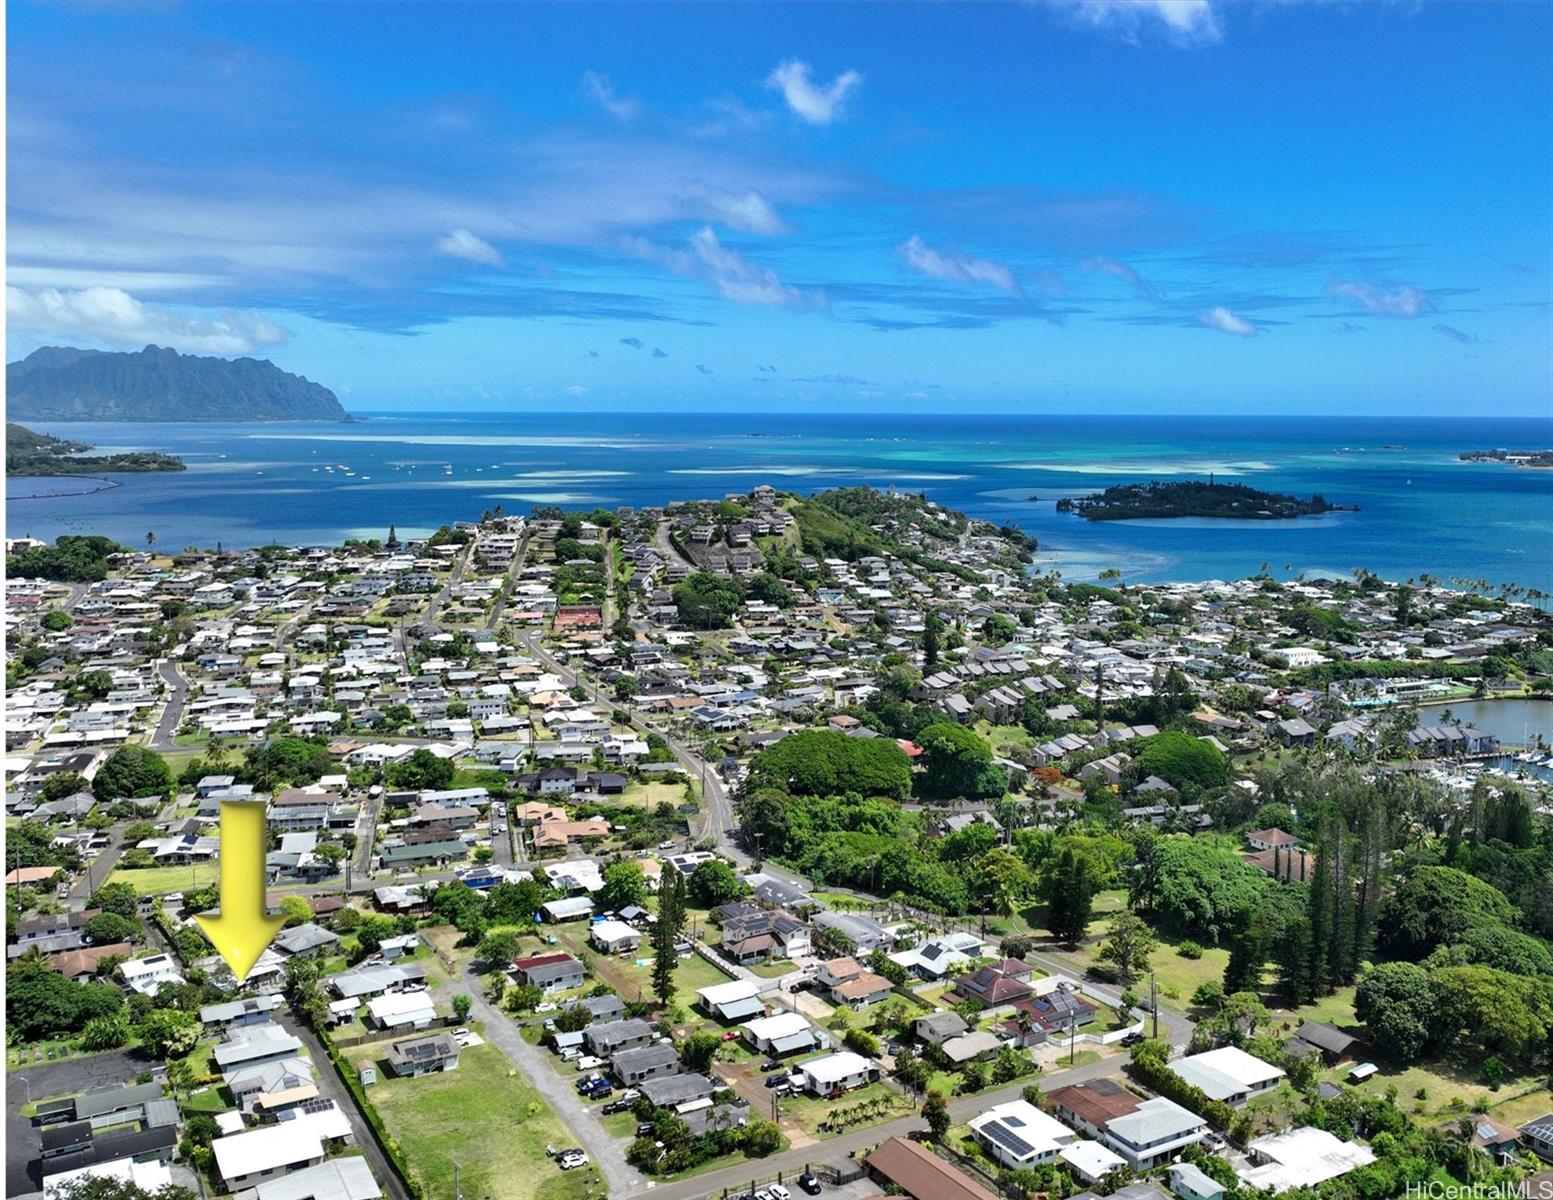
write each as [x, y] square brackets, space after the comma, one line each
[460, 565]
[330, 1085]
[661, 542]
[607, 1152]
[514, 568]
[172, 711]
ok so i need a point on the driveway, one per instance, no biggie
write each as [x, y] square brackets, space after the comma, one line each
[607, 1153]
[330, 1085]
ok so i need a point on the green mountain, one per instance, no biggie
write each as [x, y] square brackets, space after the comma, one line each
[60, 383]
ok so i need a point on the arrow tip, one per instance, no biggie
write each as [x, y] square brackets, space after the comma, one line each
[240, 938]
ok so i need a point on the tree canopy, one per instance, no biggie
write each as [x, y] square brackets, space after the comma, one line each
[823, 762]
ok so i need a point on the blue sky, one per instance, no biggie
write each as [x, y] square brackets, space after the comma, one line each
[1154, 205]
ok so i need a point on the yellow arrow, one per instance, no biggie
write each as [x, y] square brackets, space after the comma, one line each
[242, 929]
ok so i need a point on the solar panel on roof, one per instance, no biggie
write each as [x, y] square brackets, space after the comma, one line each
[1007, 1138]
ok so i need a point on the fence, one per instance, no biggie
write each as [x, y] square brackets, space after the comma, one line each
[389, 1035]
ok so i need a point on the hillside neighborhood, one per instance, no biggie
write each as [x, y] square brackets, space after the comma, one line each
[771, 844]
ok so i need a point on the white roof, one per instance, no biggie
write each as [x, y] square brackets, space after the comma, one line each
[727, 993]
[1040, 1132]
[835, 1067]
[1091, 1160]
[611, 930]
[265, 1149]
[151, 1176]
[1302, 1158]
[398, 1007]
[784, 1024]
[1223, 1072]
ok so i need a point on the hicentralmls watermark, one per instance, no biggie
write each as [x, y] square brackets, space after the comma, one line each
[1521, 1189]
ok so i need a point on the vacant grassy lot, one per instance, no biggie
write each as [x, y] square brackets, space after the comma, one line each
[158, 881]
[486, 1118]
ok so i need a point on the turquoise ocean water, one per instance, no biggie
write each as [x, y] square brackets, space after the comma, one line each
[1421, 509]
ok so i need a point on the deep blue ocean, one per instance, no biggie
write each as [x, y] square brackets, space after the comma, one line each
[1422, 510]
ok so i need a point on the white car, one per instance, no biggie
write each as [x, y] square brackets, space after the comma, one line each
[547, 1006]
[778, 1192]
[589, 1062]
[571, 1159]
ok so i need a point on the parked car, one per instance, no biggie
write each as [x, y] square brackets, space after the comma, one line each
[547, 1006]
[1133, 1038]
[589, 1081]
[780, 1079]
[630, 1095]
[772, 1064]
[778, 1192]
[810, 1182]
[619, 1104]
[589, 1062]
[730, 1035]
[571, 1159]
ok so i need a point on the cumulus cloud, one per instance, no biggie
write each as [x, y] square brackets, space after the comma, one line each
[112, 315]
[1456, 335]
[703, 368]
[1185, 22]
[1220, 318]
[1404, 300]
[634, 343]
[460, 243]
[601, 91]
[748, 211]
[658, 352]
[734, 277]
[956, 267]
[575, 389]
[1106, 265]
[815, 104]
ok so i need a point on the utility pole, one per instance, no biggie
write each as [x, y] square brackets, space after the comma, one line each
[1154, 1001]
[1072, 1037]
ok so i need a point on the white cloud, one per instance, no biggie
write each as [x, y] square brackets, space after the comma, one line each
[1186, 22]
[1106, 265]
[112, 315]
[601, 91]
[460, 243]
[815, 104]
[1220, 318]
[747, 211]
[956, 267]
[1404, 300]
[734, 277]
[575, 389]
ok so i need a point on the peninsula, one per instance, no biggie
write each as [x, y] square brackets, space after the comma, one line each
[1194, 498]
[61, 383]
[28, 452]
[1516, 458]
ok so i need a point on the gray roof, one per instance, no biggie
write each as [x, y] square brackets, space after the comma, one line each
[113, 1099]
[613, 1033]
[304, 937]
[1156, 1120]
[669, 1090]
[336, 1179]
[644, 1057]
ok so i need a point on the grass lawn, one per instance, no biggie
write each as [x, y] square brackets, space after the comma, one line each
[485, 1117]
[650, 795]
[774, 969]
[871, 1104]
[158, 881]
[207, 1100]
[632, 981]
[1450, 1088]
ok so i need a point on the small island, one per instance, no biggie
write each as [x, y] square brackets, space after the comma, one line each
[1515, 458]
[28, 452]
[1194, 498]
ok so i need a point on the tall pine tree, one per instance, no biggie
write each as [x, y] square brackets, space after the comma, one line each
[671, 919]
[1072, 897]
[1247, 955]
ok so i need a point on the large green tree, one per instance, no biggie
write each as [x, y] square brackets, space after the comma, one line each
[959, 764]
[132, 771]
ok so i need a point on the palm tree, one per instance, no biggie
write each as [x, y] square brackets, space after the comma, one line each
[150, 539]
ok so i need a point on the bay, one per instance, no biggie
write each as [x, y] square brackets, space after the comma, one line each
[1422, 510]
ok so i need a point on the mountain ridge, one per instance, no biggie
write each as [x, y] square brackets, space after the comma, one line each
[64, 383]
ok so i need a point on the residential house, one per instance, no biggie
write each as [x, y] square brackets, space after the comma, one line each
[422, 1056]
